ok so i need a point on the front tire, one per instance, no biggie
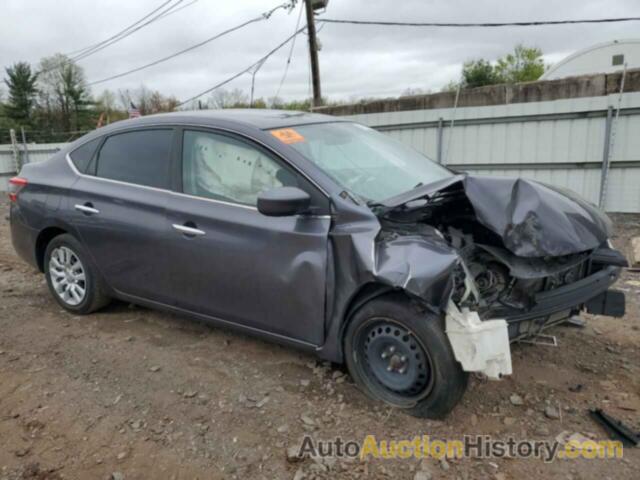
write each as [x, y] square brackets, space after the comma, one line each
[72, 278]
[399, 353]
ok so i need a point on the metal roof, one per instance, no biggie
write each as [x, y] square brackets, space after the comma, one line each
[596, 59]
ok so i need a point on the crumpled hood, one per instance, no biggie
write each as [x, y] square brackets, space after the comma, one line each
[533, 219]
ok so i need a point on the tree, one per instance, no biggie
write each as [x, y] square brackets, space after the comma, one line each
[523, 65]
[106, 106]
[75, 88]
[222, 98]
[302, 105]
[106, 101]
[160, 103]
[124, 96]
[64, 94]
[411, 91]
[275, 102]
[259, 103]
[147, 101]
[478, 73]
[21, 82]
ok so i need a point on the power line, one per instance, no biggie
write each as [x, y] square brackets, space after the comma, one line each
[261, 17]
[490, 24]
[80, 50]
[137, 22]
[90, 50]
[166, 14]
[122, 36]
[248, 69]
[293, 44]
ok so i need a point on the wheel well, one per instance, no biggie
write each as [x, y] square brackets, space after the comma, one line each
[366, 293]
[42, 242]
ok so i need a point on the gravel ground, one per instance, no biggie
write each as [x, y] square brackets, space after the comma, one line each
[130, 393]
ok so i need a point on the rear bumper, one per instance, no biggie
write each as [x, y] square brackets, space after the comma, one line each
[23, 237]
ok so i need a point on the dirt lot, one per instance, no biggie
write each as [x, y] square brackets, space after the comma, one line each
[131, 393]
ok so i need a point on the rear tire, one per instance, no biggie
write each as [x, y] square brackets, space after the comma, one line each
[72, 278]
[398, 353]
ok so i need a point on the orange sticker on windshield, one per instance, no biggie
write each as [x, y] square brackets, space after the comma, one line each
[287, 135]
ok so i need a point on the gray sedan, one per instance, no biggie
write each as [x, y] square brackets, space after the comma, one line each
[319, 233]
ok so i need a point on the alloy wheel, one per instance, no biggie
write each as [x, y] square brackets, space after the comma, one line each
[68, 276]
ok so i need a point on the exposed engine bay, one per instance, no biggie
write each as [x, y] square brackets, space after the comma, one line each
[502, 282]
[508, 256]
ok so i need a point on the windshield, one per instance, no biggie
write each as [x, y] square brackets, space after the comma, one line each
[371, 165]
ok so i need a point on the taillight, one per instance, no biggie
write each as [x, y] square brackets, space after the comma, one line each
[15, 185]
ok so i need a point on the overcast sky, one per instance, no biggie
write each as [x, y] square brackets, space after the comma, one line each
[355, 61]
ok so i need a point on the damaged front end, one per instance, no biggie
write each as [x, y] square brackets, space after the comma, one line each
[512, 258]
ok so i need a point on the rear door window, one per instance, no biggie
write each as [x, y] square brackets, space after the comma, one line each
[81, 156]
[142, 157]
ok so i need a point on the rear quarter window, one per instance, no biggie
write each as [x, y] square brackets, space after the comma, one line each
[141, 157]
[81, 156]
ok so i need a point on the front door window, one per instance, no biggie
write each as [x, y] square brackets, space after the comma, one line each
[222, 168]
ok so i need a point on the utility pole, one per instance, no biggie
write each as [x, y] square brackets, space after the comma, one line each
[313, 54]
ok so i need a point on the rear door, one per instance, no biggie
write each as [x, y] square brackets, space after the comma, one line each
[230, 261]
[118, 206]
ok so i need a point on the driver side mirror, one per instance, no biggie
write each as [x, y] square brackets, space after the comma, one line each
[283, 202]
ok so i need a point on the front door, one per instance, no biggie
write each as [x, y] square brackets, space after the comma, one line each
[235, 264]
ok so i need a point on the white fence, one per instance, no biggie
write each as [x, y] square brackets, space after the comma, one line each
[12, 157]
[560, 142]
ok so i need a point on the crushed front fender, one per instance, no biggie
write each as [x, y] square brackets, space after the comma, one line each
[368, 258]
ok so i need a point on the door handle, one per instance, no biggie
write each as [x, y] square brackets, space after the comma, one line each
[189, 230]
[87, 208]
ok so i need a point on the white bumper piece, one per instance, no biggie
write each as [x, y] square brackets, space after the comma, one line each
[480, 346]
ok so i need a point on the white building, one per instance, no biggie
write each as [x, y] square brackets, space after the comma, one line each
[602, 58]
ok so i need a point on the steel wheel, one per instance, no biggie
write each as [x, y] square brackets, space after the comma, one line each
[394, 358]
[398, 352]
[68, 276]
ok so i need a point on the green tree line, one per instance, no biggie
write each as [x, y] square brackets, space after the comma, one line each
[52, 101]
[524, 64]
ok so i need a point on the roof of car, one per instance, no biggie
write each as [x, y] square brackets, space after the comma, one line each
[259, 118]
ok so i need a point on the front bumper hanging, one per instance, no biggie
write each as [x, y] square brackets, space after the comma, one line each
[483, 346]
[554, 306]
